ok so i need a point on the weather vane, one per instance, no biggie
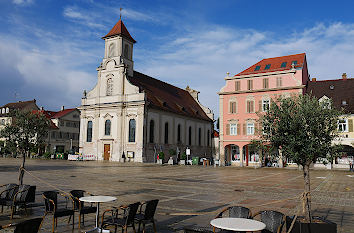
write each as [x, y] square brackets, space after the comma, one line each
[120, 15]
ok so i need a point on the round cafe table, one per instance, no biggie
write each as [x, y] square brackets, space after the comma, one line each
[98, 200]
[237, 224]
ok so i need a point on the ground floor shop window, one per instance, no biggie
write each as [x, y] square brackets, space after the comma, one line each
[253, 156]
[235, 153]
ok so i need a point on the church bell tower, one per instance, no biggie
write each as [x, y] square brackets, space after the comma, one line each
[119, 46]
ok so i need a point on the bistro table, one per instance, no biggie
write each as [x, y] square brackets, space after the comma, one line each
[237, 224]
[98, 200]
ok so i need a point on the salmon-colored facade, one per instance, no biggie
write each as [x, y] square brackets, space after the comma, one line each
[250, 92]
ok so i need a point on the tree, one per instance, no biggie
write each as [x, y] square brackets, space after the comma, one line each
[303, 129]
[27, 130]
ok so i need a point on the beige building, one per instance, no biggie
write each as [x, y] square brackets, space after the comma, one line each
[5, 110]
[64, 133]
[131, 115]
[341, 93]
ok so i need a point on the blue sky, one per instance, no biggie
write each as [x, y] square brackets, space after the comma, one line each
[49, 49]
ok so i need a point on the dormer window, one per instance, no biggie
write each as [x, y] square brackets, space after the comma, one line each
[3, 110]
[294, 63]
[344, 102]
[267, 67]
[283, 65]
[257, 68]
[331, 87]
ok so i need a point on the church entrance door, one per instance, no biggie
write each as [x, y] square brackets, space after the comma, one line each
[107, 151]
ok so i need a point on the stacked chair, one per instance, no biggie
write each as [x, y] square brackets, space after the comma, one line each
[17, 196]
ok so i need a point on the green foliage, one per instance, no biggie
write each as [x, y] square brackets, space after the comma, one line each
[26, 131]
[161, 155]
[302, 127]
[46, 155]
[183, 155]
[172, 151]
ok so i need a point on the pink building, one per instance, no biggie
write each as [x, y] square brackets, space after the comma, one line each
[249, 92]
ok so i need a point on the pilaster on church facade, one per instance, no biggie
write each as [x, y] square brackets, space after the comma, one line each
[129, 114]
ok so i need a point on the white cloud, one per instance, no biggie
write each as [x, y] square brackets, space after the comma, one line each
[82, 17]
[201, 58]
[22, 2]
[47, 71]
[136, 15]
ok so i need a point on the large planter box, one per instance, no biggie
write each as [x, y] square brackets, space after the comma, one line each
[324, 226]
[182, 162]
[159, 161]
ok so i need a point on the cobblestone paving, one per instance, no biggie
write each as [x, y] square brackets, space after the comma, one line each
[189, 195]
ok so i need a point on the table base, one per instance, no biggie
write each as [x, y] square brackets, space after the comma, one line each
[98, 230]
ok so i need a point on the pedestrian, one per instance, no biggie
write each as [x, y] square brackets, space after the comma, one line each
[351, 166]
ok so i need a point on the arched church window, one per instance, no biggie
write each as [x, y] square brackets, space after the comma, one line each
[126, 51]
[132, 128]
[109, 86]
[107, 127]
[89, 131]
[199, 136]
[179, 133]
[190, 135]
[208, 138]
[152, 128]
[111, 50]
[166, 133]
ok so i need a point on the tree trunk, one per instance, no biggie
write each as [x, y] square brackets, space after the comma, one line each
[307, 194]
[21, 173]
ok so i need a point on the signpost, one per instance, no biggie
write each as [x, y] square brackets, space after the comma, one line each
[188, 152]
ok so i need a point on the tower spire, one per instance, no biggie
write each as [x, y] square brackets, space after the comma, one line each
[120, 13]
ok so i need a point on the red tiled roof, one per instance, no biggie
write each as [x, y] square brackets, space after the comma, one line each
[164, 96]
[62, 113]
[21, 104]
[119, 29]
[338, 90]
[275, 64]
[48, 116]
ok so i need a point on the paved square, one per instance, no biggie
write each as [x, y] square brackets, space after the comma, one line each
[189, 195]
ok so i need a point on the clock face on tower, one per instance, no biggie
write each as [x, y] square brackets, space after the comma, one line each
[111, 50]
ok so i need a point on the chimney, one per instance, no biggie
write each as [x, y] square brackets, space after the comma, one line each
[62, 108]
[42, 108]
[344, 76]
[313, 79]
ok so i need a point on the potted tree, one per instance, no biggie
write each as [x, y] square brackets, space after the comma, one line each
[183, 158]
[303, 129]
[172, 153]
[160, 157]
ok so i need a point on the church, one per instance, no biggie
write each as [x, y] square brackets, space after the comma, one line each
[131, 116]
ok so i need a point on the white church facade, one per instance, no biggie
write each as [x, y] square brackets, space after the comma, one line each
[131, 115]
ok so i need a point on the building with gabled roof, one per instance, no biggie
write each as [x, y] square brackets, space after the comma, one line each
[6, 109]
[249, 92]
[131, 115]
[341, 93]
[64, 133]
